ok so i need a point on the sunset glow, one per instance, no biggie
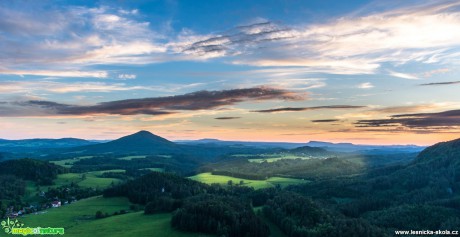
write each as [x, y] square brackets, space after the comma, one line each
[359, 72]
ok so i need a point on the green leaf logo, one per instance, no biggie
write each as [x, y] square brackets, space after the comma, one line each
[8, 225]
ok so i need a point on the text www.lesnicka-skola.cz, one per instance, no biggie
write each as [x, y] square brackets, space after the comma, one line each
[426, 232]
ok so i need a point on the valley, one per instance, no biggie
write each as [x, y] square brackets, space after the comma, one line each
[157, 189]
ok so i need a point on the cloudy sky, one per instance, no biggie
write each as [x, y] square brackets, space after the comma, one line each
[370, 72]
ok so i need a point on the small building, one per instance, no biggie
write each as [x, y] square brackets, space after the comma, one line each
[56, 204]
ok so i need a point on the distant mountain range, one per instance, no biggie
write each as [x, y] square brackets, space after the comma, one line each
[329, 146]
[216, 142]
[144, 142]
[45, 143]
[31, 146]
[369, 149]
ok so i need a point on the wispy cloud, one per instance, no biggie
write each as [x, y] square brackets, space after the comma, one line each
[436, 71]
[200, 100]
[295, 109]
[365, 85]
[236, 40]
[407, 108]
[19, 87]
[56, 73]
[403, 75]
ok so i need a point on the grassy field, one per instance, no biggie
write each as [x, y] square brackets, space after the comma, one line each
[90, 180]
[78, 220]
[69, 162]
[257, 184]
[87, 180]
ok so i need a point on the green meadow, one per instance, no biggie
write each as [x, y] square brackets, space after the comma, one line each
[78, 219]
[209, 178]
[69, 162]
[87, 180]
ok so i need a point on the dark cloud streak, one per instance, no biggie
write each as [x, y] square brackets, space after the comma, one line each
[325, 120]
[227, 118]
[441, 83]
[200, 100]
[295, 109]
[419, 120]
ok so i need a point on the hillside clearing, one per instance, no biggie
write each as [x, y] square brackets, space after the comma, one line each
[209, 178]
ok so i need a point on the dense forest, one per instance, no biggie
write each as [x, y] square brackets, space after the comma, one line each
[11, 190]
[225, 211]
[154, 185]
[42, 172]
[220, 215]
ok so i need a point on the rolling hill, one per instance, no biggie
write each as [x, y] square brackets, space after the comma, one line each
[311, 151]
[443, 153]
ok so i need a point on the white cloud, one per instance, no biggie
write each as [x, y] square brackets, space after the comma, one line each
[297, 84]
[403, 75]
[53, 73]
[126, 76]
[436, 71]
[349, 45]
[14, 87]
[21, 87]
[49, 42]
[78, 37]
[365, 85]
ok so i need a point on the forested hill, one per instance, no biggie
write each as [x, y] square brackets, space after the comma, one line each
[36, 170]
[424, 194]
[443, 153]
[311, 151]
[142, 142]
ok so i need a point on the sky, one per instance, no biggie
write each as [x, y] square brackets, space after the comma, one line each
[366, 72]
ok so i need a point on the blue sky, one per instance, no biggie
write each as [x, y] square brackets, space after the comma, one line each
[358, 71]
